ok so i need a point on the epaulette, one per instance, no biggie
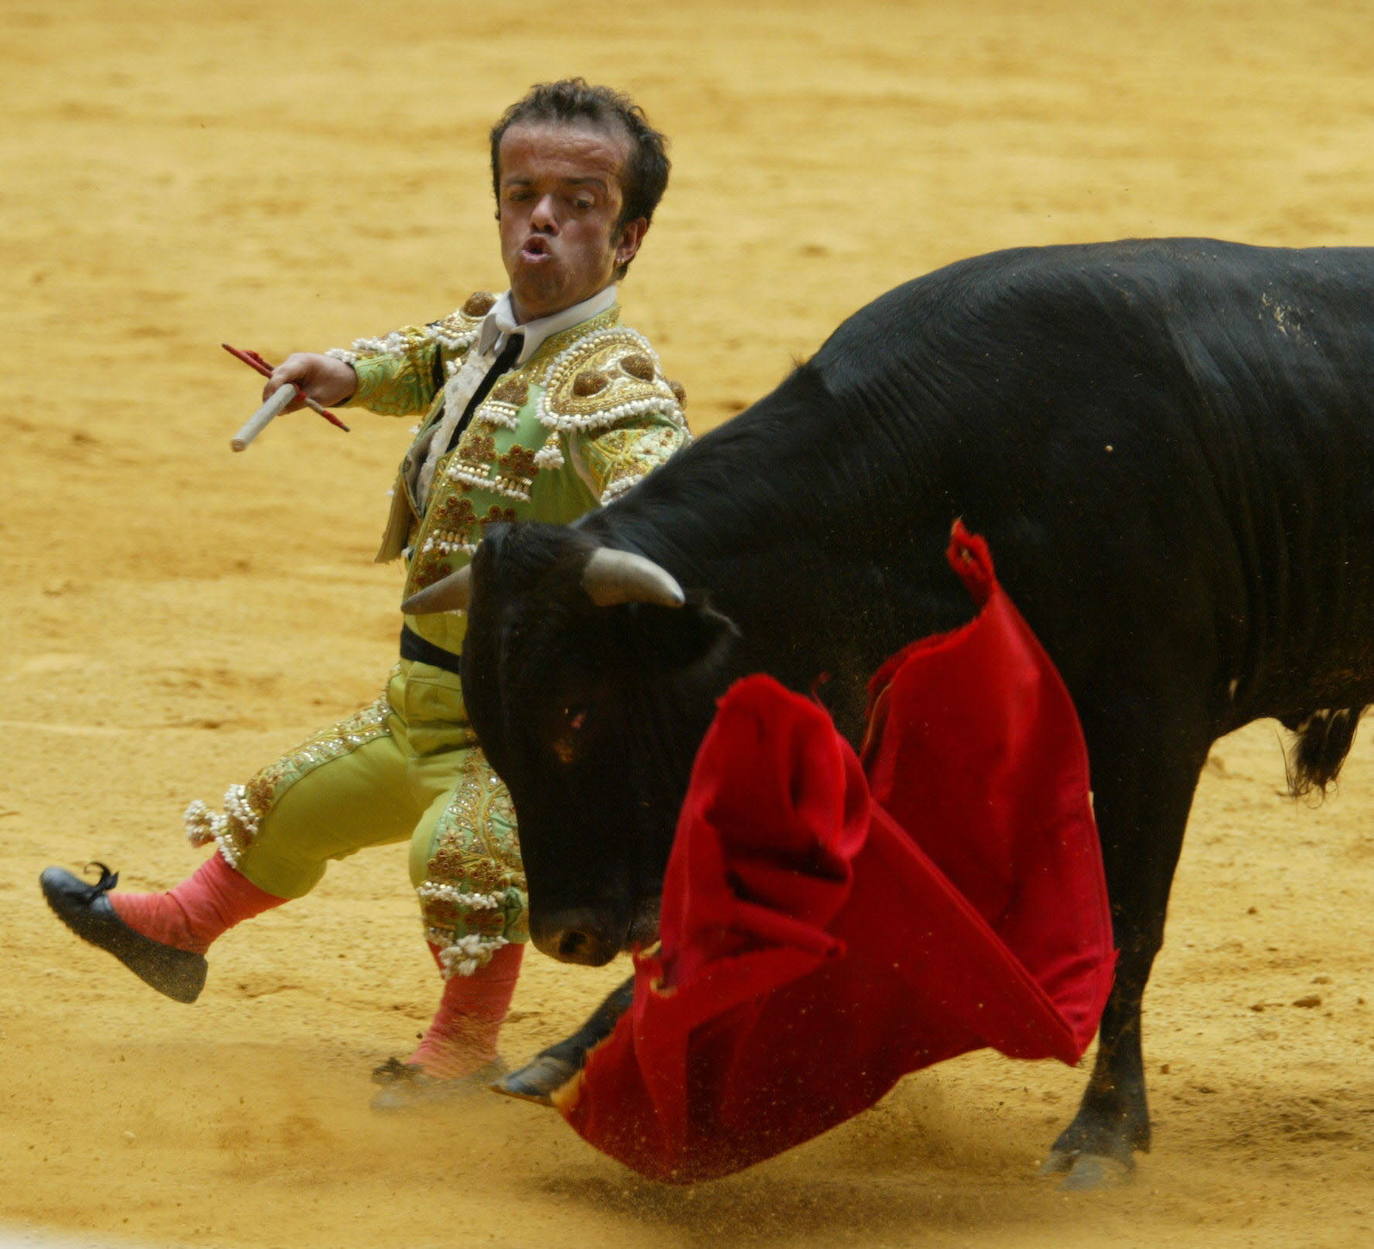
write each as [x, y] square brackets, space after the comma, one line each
[604, 378]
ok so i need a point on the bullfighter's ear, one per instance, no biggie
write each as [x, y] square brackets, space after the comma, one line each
[671, 640]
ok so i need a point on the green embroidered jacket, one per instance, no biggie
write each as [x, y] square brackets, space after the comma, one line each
[576, 425]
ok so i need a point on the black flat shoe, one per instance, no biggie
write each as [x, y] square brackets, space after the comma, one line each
[86, 910]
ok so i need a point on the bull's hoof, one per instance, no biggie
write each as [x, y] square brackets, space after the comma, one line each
[1088, 1172]
[406, 1086]
[88, 912]
[538, 1079]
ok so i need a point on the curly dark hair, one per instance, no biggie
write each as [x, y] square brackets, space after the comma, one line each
[575, 100]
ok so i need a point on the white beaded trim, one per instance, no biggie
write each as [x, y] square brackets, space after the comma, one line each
[435, 545]
[433, 890]
[467, 954]
[204, 826]
[399, 342]
[617, 488]
[501, 416]
[611, 416]
[497, 485]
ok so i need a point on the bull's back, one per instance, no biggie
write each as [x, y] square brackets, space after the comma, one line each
[1169, 445]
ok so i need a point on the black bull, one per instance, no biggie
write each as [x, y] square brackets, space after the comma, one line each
[1169, 446]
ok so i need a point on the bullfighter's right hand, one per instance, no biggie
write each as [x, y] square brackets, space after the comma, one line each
[323, 378]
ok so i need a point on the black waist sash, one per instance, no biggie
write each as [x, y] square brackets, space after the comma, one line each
[416, 648]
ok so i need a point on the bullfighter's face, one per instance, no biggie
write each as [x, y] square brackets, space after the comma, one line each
[559, 204]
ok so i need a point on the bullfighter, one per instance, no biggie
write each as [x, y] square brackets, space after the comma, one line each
[538, 404]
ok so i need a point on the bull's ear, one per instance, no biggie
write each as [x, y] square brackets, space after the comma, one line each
[453, 593]
[671, 640]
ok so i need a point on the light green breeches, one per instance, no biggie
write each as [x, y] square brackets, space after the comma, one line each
[408, 766]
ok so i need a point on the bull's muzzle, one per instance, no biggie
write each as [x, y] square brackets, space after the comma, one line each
[593, 936]
[590, 938]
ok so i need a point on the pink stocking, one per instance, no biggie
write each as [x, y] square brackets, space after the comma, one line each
[214, 898]
[462, 1037]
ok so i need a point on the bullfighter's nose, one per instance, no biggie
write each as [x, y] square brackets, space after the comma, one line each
[579, 937]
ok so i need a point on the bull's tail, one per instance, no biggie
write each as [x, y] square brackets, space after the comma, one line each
[1321, 741]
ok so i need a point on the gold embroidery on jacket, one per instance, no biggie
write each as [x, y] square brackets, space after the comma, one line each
[518, 462]
[620, 367]
[605, 378]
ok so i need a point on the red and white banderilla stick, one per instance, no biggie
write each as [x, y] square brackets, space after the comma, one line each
[280, 400]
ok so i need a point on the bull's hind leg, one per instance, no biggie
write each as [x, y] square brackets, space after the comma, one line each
[1143, 784]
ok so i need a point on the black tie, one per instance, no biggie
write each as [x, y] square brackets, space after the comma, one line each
[505, 358]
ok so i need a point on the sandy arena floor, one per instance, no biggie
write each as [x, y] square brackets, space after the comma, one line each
[284, 176]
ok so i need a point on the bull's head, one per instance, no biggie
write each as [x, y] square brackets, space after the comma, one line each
[590, 678]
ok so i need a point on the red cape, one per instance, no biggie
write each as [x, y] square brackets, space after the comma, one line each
[829, 926]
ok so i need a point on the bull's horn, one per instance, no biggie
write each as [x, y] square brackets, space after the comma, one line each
[450, 594]
[613, 577]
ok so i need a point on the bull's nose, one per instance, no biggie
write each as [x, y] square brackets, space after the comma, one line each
[579, 937]
[584, 947]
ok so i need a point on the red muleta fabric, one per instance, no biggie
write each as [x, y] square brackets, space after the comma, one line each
[829, 926]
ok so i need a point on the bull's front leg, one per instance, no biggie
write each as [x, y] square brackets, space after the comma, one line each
[1113, 1119]
[551, 1068]
[1142, 796]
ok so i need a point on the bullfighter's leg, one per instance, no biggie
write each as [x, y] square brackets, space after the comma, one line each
[334, 794]
[1144, 775]
[465, 865]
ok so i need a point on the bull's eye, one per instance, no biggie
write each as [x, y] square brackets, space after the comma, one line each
[565, 744]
